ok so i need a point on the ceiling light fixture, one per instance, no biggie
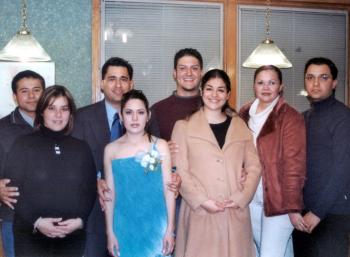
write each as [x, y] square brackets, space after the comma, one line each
[23, 47]
[267, 52]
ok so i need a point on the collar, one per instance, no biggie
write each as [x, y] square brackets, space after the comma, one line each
[265, 112]
[56, 135]
[198, 127]
[16, 118]
[185, 97]
[244, 111]
[26, 118]
[325, 103]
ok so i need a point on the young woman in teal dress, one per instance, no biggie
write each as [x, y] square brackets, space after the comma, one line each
[140, 216]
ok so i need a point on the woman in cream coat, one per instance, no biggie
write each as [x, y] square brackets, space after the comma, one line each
[214, 149]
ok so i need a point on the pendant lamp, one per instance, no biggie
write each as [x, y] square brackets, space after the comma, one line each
[23, 47]
[267, 52]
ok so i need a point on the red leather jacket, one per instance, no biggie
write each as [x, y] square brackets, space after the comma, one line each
[281, 146]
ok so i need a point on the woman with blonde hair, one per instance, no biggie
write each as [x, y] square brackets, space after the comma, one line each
[279, 135]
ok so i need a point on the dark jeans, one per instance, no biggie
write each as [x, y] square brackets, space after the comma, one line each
[7, 238]
[329, 239]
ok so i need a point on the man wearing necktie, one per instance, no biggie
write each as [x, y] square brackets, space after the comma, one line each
[116, 129]
[98, 124]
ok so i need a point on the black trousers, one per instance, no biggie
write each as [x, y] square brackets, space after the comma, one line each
[329, 239]
[38, 245]
[96, 239]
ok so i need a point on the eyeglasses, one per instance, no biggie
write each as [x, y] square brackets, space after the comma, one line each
[322, 77]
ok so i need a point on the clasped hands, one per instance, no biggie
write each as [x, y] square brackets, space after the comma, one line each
[57, 227]
[214, 206]
[306, 223]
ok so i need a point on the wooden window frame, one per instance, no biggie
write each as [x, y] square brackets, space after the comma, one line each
[230, 37]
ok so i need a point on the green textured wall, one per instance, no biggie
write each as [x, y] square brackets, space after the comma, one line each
[63, 28]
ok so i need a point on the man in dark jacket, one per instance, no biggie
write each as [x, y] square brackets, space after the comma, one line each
[93, 124]
[27, 87]
[327, 187]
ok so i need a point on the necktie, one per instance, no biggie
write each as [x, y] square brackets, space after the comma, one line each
[116, 129]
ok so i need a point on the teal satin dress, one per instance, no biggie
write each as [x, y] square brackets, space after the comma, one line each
[140, 217]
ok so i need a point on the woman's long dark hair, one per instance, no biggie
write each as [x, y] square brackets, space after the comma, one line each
[137, 94]
[217, 73]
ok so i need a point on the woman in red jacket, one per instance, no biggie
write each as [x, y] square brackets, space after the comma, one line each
[279, 135]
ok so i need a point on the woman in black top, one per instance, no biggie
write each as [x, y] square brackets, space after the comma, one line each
[56, 177]
[214, 148]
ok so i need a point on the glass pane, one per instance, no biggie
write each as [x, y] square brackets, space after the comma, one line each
[301, 34]
[148, 34]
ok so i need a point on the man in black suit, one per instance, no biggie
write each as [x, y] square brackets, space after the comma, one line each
[27, 87]
[93, 124]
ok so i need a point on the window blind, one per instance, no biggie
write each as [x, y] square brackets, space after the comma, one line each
[149, 33]
[301, 34]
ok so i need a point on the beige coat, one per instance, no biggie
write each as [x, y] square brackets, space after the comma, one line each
[208, 172]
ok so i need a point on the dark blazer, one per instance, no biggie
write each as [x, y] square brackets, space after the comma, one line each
[91, 125]
[11, 127]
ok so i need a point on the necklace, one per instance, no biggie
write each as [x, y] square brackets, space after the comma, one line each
[57, 149]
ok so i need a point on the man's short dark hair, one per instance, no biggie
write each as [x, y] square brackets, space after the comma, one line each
[188, 52]
[118, 62]
[26, 74]
[323, 61]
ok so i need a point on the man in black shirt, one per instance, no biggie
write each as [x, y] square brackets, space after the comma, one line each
[27, 87]
[327, 187]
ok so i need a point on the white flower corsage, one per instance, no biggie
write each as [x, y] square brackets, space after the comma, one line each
[149, 160]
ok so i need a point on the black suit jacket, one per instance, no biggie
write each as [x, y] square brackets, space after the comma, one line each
[11, 127]
[91, 125]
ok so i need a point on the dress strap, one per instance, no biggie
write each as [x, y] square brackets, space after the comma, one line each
[154, 145]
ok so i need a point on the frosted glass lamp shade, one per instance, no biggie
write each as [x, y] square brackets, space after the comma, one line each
[23, 47]
[267, 53]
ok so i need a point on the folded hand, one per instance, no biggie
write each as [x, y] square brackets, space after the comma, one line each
[311, 221]
[297, 221]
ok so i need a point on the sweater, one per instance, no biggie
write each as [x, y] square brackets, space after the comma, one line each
[166, 112]
[11, 127]
[56, 177]
[327, 187]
